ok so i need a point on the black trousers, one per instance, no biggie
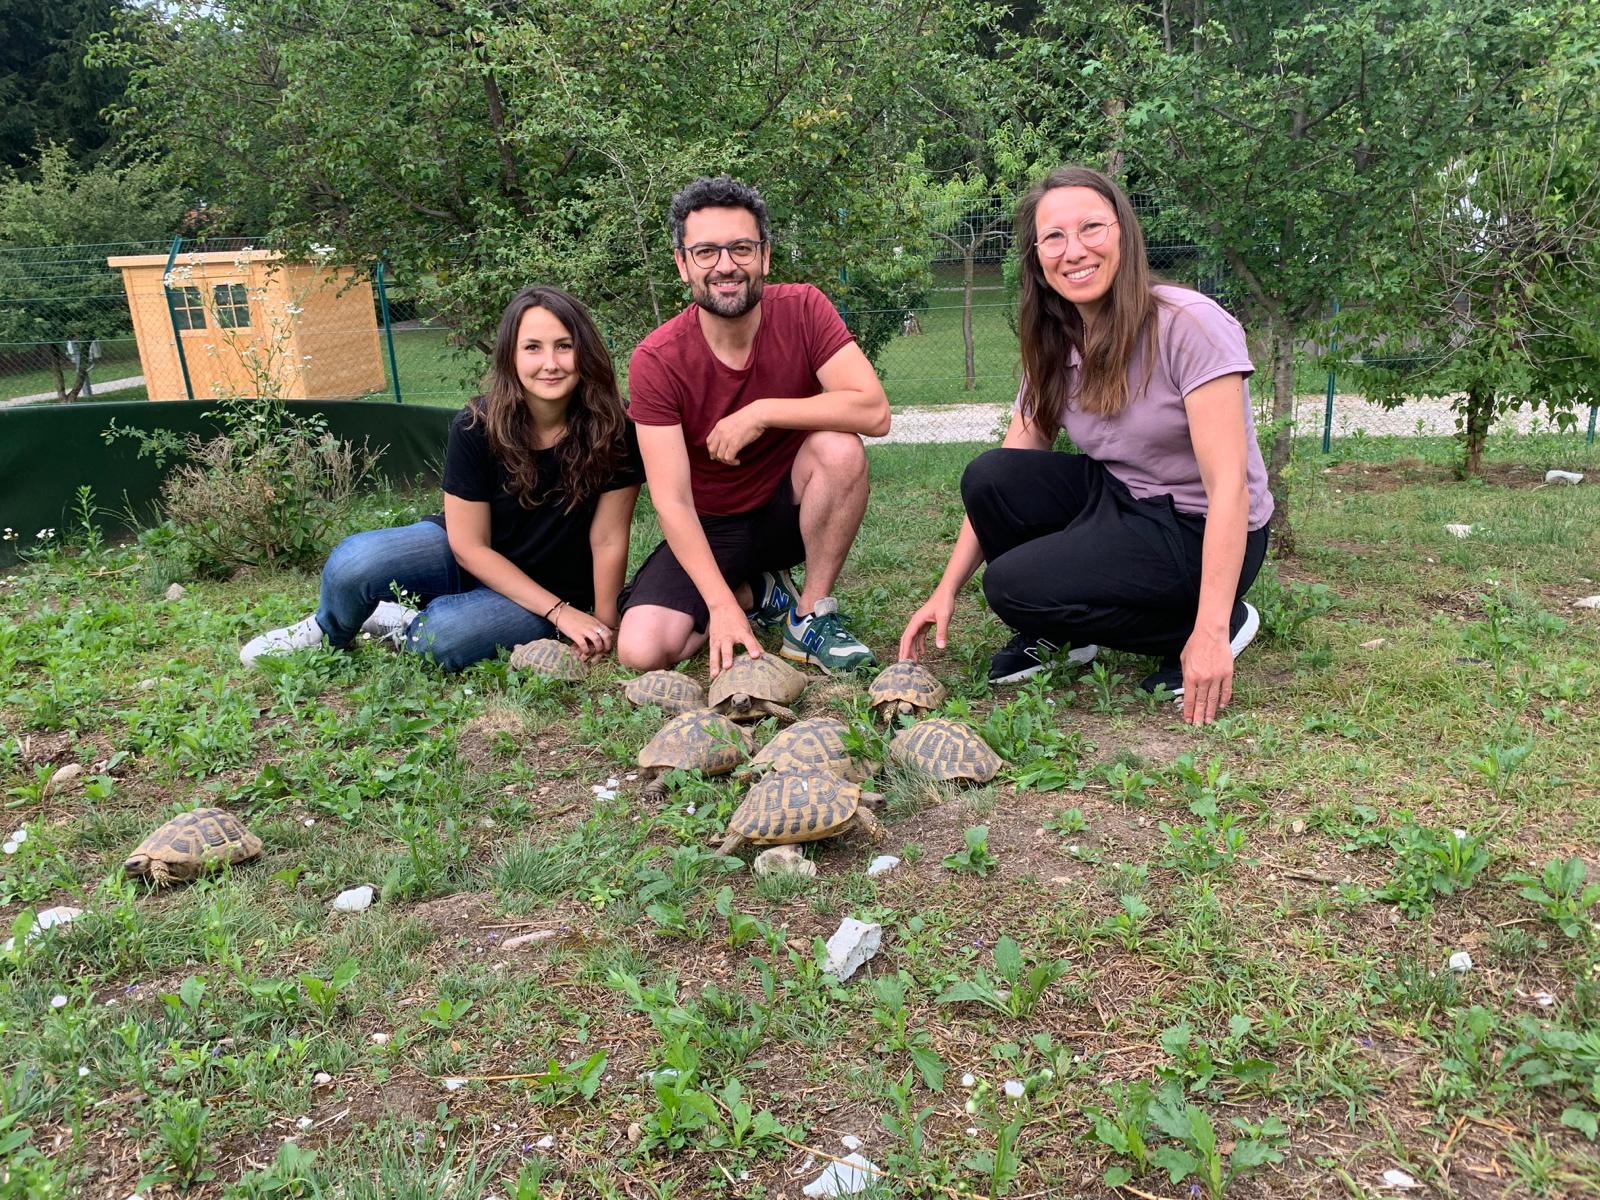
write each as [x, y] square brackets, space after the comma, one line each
[1074, 558]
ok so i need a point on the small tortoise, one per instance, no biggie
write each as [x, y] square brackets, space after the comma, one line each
[800, 805]
[702, 741]
[945, 750]
[670, 691]
[815, 742]
[190, 843]
[547, 656]
[905, 688]
[753, 688]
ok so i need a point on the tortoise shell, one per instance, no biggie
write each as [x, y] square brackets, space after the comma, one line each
[945, 750]
[670, 691]
[702, 741]
[752, 686]
[905, 687]
[193, 842]
[816, 742]
[801, 805]
[547, 656]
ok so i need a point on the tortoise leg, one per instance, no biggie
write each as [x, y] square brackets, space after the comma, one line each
[654, 792]
[786, 715]
[160, 874]
[731, 843]
[868, 823]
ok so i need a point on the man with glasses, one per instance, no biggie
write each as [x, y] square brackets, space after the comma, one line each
[750, 407]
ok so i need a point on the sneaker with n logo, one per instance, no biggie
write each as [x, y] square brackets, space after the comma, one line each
[775, 597]
[822, 640]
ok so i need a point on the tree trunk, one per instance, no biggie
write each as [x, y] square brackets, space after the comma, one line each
[966, 314]
[1283, 342]
[1476, 419]
[57, 365]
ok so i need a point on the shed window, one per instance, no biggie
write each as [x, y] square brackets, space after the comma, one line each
[187, 310]
[233, 305]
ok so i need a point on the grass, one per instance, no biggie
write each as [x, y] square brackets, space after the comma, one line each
[1219, 953]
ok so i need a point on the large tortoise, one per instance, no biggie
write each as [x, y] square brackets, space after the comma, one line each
[905, 688]
[753, 688]
[191, 843]
[800, 805]
[815, 742]
[945, 750]
[548, 656]
[702, 740]
[670, 691]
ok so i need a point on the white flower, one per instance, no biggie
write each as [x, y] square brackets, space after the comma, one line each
[19, 836]
[1461, 835]
[466, 691]
[9, 848]
[690, 810]
[293, 309]
[1014, 1089]
[971, 1106]
[968, 1080]
[83, 1072]
[58, 1001]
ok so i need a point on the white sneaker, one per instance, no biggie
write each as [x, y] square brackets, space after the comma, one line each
[302, 635]
[389, 621]
[1247, 631]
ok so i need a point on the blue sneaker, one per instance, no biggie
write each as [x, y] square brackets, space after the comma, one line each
[774, 601]
[822, 641]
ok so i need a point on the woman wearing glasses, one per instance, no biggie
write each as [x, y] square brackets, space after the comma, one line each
[1148, 538]
[541, 474]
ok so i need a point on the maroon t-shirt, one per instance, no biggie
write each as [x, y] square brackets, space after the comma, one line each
[675, 379]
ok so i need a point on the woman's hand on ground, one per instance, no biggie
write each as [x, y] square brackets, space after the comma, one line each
[1207, 677]
[726, 630]
[591, 637]
[936, 612]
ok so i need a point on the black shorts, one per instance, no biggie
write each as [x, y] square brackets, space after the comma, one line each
[744, 545]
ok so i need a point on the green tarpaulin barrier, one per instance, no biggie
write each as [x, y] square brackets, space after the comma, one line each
[48, 451]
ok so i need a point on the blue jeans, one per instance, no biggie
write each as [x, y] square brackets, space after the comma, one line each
[458, 625]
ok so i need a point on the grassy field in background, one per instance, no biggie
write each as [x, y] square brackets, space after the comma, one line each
[1214, 961]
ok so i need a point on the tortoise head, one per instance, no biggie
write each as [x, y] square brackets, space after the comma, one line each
[739, 702]
[139, 864]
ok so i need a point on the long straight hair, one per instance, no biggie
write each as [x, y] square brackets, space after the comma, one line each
[592, 449]
[1050, 328]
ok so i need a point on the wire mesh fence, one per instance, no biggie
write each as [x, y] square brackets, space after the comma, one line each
[189, 319]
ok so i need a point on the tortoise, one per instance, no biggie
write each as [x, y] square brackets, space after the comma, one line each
[753, 688]
[701, 740]
[800, 805]
[905, 688]
[945, 750]
[815, 742]
[548, 656]
[670, 691]
[191, 843]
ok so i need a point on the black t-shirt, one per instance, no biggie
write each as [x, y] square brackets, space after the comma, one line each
[547, 543]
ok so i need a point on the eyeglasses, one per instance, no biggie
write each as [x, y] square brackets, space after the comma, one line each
[1091, 236]
[707, 254]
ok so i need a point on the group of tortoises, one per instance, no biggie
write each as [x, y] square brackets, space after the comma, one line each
[809, 786]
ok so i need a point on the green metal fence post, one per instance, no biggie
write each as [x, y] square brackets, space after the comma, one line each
[172, 315]
[1593, 409]
[388, 333]
[1327, 409]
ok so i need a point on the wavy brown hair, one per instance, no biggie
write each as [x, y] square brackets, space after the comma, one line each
[1050, 328]
[592, 449]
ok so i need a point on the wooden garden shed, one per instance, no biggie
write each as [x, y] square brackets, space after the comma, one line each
[249, 320]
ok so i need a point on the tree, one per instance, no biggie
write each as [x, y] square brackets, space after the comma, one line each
[48, 93]
[1280, 136]
[52, 289]
[964, 215]
[482, 146]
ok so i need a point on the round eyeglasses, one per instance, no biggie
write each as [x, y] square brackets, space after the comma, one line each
[1091, 236]
[707, 254]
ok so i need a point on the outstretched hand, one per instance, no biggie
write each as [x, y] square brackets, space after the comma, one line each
[591, 637]
[1207, 677]
[727, 629]
[936, 612]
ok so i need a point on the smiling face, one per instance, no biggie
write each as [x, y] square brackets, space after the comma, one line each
[1083, 275]
[547, 356]
[724, 289]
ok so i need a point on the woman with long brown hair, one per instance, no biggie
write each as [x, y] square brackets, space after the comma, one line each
[1148, 538]
[541, 476]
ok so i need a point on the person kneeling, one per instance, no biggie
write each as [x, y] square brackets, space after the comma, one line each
[541, 477]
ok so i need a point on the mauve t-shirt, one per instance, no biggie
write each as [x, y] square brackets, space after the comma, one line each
[1147, 445]
[675, 379]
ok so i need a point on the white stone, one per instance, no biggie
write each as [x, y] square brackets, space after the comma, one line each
[1544, 999]
[303, 1122]
[969, 1080]
[783, 860]
[146, 685]
[1014, 1089]
[850, 1142]
[853, 943]
[547, 1142]
[1554, 476]
[530, 939]
[380, 1039]
[1373, 644]
[322, 1079]
[1297, 827]
[452, 1085]
[1461, 962]
[882, 864]
[1399, 1180]
[356, 899]
[845, 1178]
[1460, 531]
[1587, 602]
[59, 916]
[175, 591]
[63, 776]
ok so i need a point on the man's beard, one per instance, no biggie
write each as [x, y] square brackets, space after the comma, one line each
[731, 307]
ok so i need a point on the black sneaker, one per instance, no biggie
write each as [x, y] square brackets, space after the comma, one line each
[1244, 626]
[1025, 655]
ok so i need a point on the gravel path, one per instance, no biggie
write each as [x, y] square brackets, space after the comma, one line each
[110, 385]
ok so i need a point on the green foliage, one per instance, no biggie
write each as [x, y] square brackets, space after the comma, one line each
[289, 1177]
[889, 1013]
[1429, 864]
[443, 1015]
[974, 856]
[1562, 895]
[1023, 986]
[328, 994]
[559, 1084]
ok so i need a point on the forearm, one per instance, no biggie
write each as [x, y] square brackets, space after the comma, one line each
[965, 559]
[681, 528]
[494, 570]
[1221, 559]
[866, 413]
[610, 565]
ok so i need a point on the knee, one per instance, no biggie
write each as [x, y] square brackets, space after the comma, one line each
[984, 477]
[640, 647]
[838, 456]
[348, 564]
[442, 641]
